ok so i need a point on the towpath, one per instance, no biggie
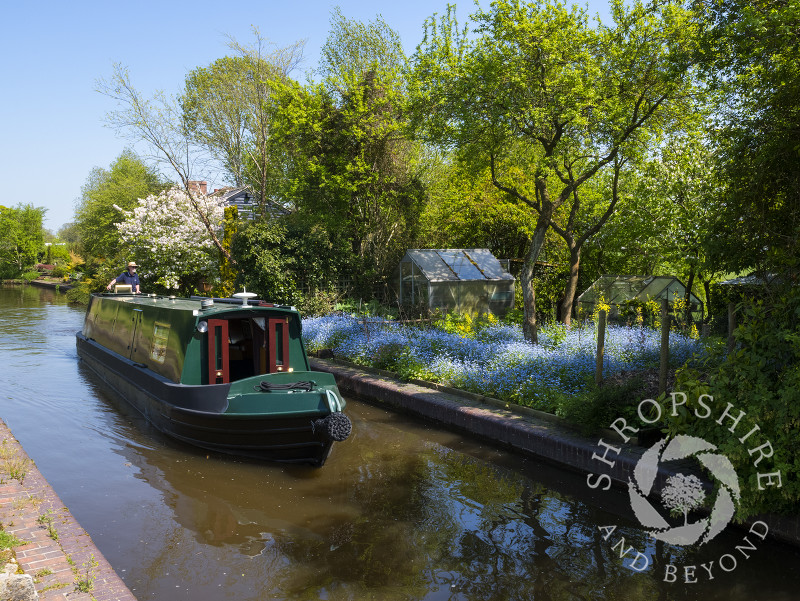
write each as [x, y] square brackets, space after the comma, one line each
[58, 553]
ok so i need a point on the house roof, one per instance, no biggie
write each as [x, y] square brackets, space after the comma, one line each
[457, 264]
[246, 200]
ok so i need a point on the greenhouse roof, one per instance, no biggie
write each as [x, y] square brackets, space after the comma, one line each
[616, 289]
[457, 264]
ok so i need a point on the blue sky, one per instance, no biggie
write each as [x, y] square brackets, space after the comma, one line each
[52, 53]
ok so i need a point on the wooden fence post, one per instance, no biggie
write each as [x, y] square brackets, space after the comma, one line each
[601, 340]
[664, 360]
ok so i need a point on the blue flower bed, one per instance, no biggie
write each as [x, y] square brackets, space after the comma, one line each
[496, 361]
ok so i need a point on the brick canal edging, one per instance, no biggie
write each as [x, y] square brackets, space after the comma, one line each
[52, 285]
[55, 565]
[531, 432]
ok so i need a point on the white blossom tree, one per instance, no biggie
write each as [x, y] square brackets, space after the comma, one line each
[169, 237]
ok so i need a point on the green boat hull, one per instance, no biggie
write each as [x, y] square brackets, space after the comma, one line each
[286, 416]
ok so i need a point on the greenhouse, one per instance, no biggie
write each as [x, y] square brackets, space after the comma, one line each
[617, 290]
[470, 280]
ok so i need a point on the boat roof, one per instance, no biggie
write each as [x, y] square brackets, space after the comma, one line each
[195, 304]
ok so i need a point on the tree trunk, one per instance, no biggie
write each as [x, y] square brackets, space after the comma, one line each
[706, 312]
[572, 283]
[529, 325]
[688, 298]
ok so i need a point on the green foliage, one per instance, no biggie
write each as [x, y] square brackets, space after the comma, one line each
[762, 378]
[351, 169]
[751, 54]
[317, 303]
[464, 324]
[12, 464]
[9, 540]
[280, 259]
[228, 108]
[354, 49]
[85, 577]
[227, 272]
[80, 293]
[722, 295]
[601, 405]
[372, 308]
[108, 192]
[399, 359]
[46, 519]
[21, 238]
[264, 268]
[547, 102]
[663, 224]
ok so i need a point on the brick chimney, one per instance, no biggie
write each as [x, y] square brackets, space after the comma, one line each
[198, 187]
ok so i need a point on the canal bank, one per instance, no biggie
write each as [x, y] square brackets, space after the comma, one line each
[57, 552]
[523, 430]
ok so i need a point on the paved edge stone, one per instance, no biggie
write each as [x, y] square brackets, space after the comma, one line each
[50, 562]
[520, 431]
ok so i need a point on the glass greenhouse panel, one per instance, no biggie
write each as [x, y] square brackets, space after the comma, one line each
[432, 265]
[488, 264]
[460, 264]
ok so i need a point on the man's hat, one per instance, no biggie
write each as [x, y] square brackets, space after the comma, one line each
[132, 264]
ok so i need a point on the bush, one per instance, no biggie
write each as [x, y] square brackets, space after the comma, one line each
[316, 304]
[762, 378]
[601, 405]
[29, 276]
[79, 294]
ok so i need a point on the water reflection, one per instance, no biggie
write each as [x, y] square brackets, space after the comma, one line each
[400, 511]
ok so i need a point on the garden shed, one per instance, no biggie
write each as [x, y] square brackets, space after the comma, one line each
[616, 290]
[466, 280]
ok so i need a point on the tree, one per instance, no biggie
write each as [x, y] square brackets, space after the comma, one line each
[21, 238]
[164, 128]
[105, 194]
[548, 102]
[69, 233]
[279, 258]
[354, 49]
[228, 107]
[352, 169]
[167, 237]
[667, 217]
[466, 211]
[751, 55]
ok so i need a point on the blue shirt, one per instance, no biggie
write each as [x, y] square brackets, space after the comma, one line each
[127, 278]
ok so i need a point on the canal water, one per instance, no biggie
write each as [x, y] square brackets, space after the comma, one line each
[402, 510]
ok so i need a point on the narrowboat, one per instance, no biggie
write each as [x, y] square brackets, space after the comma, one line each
[226, 375]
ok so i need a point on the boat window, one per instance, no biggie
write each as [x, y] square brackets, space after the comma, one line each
[160, 339]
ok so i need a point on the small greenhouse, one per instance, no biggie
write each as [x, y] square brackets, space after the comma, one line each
[466, 280]
[616, 290]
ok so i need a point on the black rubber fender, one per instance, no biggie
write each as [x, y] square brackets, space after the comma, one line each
[336, 426]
